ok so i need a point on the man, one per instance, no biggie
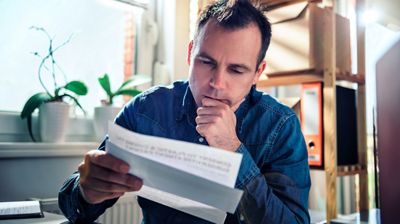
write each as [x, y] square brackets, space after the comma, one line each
[220, 107]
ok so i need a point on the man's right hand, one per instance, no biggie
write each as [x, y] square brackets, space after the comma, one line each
[103, 177]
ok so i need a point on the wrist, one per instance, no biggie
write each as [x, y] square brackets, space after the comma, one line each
[81, 195]
[236, 145]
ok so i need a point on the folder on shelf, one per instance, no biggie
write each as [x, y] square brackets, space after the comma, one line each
[311, 122]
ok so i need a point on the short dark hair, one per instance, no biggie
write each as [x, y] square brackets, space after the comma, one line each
[236, 14]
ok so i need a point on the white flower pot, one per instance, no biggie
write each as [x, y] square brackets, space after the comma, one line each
[102, 115]
[53, 121]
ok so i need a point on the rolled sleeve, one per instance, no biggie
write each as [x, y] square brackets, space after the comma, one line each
[74, 207]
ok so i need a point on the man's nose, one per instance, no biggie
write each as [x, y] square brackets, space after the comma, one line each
[218, 79]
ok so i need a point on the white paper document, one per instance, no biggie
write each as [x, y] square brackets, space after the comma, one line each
[198, 209]
[192, 178]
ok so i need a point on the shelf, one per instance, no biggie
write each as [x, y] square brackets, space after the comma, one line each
[350, 170]
[304, 76]
[290, 78]
[347, 76]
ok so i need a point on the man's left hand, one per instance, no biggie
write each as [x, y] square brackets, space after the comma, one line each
[216, 121]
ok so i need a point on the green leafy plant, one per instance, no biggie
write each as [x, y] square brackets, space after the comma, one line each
[70, 90]
[124, 89]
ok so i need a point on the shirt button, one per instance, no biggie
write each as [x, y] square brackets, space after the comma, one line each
[201, 139]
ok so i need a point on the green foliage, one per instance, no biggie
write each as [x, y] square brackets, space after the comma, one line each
[124, 89]
[70, 90]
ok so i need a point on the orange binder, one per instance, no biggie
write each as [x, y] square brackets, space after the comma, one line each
[311, 122]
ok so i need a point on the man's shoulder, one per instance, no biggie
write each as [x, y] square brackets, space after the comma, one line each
[164, 92]
[155, 106]
[272, 106]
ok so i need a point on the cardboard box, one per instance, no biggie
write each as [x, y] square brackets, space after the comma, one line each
[298, 42]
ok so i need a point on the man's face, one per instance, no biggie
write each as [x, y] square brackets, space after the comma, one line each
[223, 63]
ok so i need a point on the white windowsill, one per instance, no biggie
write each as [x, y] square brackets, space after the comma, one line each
[31, 149]
[13, 129]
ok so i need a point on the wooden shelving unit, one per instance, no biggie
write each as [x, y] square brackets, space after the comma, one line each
[329, 75]
[351, 170]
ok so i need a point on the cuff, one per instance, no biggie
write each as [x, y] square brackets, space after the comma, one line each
[248, 168]
[84, 210]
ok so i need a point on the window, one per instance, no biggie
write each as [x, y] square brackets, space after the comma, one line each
[100, 30]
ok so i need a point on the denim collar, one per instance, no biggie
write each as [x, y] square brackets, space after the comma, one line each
[188, 107]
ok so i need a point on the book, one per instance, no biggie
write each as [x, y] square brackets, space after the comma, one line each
[20, 209]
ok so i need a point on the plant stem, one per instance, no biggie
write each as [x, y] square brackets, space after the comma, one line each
[50, 55]
[52, 65]
[110, 101]
[40, 74]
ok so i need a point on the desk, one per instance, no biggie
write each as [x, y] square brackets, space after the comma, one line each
[49, 218]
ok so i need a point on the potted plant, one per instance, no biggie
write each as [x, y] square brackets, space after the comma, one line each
[107, 111]
[52, 105]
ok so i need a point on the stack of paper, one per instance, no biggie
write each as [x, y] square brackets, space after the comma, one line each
[192, 178]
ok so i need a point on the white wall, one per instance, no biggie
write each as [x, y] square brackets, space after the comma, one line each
[182, 39]
[173, 21]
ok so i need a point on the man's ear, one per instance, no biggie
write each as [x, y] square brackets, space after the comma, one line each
[189, 54]
[259, 71]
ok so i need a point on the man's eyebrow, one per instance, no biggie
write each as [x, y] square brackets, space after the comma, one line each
[203, 55]
[241, 66]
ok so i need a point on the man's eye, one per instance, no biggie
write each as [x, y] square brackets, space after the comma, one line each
[236, 71]
[206, 62]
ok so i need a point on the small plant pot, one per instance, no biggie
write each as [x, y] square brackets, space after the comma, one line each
[53, 121]
[102, 115]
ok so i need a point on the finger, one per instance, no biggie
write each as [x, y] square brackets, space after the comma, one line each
[105, 174]
[208, 102]
[206, 119]
[209, 111]
[108, 187]
[108, 161]
[202, 129]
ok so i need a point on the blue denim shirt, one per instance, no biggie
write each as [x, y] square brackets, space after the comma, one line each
[274, 172]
